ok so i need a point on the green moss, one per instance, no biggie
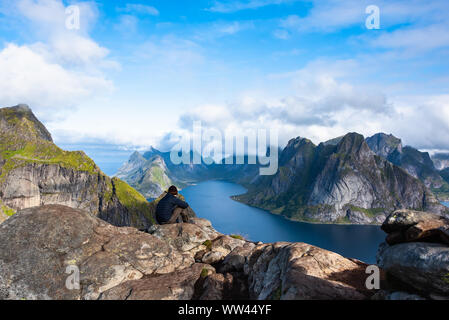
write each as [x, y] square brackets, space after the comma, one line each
[42, 152]
[6, 210]
[237, 236]
[278, 210]
[208, 244]
[158, 175]
[371, 213]
[126, 194]
[343, 220]
[204, 273]
[132, 200]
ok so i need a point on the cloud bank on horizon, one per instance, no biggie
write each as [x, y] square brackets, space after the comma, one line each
[137, 74]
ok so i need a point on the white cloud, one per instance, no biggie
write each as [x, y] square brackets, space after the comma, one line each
[27, 77]
[417, 39]
[61, 67]
[127, 24]
[139, 9]
[334, 15]
[46, 19]
[233, 6]
[422, 121]
[281, 34]
[218, 30]
[170, 54]
[325, 104]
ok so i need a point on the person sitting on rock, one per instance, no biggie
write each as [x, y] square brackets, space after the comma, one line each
[171, 209]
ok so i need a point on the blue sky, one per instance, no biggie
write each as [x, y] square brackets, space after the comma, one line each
[139, 73]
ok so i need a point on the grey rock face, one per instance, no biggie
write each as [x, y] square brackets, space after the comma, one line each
[35, 185]
[422, 266]
[342, 182]
[41, 184]
[416, 163]
[384, 145]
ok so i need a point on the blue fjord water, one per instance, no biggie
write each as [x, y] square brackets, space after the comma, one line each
[211, 200]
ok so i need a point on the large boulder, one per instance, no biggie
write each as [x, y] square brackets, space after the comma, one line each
[185, 237]
[423, 267]
[409, 226]
[38, 244]
[179, 285]
[293, 271]
[219, 248]
[416, 253]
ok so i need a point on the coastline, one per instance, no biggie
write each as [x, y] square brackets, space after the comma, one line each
[303, 221]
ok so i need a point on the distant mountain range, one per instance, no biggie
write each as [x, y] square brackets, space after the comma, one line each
[348, 179]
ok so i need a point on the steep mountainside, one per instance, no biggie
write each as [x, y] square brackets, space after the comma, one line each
[445, 174]
[418, 164]
[344, 182]
[35, 172]
[148, 176]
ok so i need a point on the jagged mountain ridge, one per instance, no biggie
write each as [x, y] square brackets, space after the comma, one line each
[417, 163]
[35, 172]
[342, 180]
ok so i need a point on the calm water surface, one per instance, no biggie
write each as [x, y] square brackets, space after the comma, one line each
[211, 201]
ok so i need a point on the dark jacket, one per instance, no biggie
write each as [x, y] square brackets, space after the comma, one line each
[166, 206]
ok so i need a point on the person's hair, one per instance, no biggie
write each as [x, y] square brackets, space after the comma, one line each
[173, 189]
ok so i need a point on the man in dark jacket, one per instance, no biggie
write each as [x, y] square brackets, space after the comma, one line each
[170, 208]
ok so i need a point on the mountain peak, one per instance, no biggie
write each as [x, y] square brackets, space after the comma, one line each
[21, 120]
[333, 142]
[296, 142]
[151, 152]
[384, 144]
[136, 156]
[352, 143]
